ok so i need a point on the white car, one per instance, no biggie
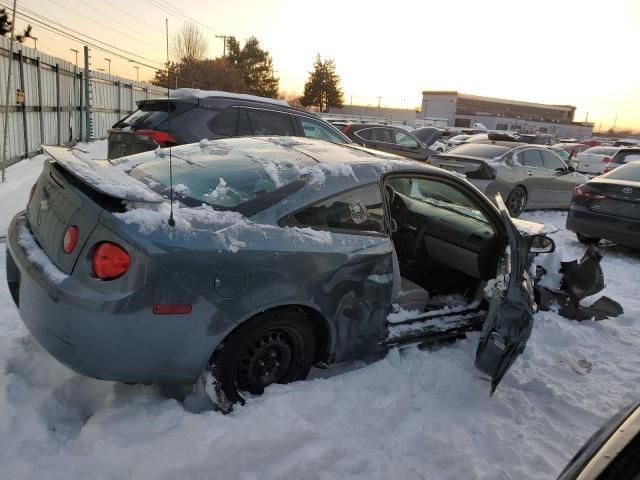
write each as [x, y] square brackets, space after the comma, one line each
[594, 160]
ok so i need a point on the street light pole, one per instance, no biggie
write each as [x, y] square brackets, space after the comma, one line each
[137, 72]
[109, 61]
[6, 101]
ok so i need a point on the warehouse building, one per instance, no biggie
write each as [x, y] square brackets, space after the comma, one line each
[463, 110]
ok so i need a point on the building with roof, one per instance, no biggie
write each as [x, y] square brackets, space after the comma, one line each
[464, 110]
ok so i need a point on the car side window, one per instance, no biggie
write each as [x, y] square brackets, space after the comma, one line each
[364, 134]
[552, 161]
[244, 126]
[381, 135]
[265, 122]
[314, 129]
[531, 158]
[404, 139]
[224, 123]
[358, 210]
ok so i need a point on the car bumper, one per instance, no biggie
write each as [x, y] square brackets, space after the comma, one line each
[108, 336]
[598, 225]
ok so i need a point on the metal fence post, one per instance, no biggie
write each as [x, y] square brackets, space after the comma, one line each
[57, 70]
[79, 75]
[40, 106]
[24, 107]
[87, 112]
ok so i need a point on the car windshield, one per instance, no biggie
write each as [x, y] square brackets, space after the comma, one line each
[226, 182]
[630, 171]
[482, 150]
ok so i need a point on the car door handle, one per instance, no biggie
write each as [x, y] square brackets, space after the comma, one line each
[530, 173]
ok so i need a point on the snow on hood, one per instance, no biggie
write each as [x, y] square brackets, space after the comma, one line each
[196, 93]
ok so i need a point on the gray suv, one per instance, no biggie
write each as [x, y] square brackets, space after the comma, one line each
[195, 118]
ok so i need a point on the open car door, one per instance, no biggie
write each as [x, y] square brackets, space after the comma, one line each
[511, 307]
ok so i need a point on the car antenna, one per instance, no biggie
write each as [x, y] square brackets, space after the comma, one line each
[172, 222]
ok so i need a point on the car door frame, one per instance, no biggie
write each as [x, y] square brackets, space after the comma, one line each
[416, 153]
[558, 195]
[534, 180]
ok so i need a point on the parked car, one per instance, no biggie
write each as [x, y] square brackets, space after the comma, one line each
[564, 155]
[538, 138]
[622, 156]
[572, 148]
[608, 207]
[431, 137]
[612, 452]
[594, 160]
[528, 176]
[388, 139]
[278, 254]
[627, 142]
[197, 114]
[457, 140]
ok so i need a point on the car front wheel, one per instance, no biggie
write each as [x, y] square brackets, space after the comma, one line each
[274, 347]
[517, 201]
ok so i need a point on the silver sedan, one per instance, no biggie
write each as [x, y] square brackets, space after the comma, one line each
[527, 176]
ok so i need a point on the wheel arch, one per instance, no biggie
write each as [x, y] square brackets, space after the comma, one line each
[323, 330]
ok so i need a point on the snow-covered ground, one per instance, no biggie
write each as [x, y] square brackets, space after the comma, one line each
[413, 414]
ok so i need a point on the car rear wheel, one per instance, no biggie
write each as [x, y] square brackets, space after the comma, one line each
[588, 240]
[517, 201]
[274, 347]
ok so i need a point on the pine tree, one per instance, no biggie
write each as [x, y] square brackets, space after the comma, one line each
[5, 23]
[256, 66]
[323, 87]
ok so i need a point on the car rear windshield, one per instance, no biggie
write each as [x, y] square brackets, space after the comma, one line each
[626, 156]
[630, 171]
[482, 150]
[151, 114]
[225, 182]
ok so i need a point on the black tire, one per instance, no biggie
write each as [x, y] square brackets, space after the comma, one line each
[517, 201]
[274, 347]
[588, 240]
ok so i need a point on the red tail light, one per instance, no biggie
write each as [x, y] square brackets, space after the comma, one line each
[171, 308]
[606, 159]
[583, 194]
[608, 169]
[110, 261]
[160, 138]
[70, 239]
[346, 129]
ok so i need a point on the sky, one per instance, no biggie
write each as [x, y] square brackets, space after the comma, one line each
[581, 53]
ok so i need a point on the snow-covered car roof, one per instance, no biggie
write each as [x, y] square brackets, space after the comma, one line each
[196, 93]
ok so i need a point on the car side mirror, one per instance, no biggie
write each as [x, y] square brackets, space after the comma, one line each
[541, 244]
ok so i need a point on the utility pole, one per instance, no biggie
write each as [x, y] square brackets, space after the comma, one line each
[6, 99]
[35, 42]
[224, 43]
[76, 52]
[614, 124]
[109, 67]
[137, 72]
[379, 98]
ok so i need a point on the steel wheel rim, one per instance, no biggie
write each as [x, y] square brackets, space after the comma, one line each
[267, 358]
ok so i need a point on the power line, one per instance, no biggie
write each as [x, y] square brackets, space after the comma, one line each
[134, 17]
[58, 31]
[120, 32]
[47, 25]
[170, 9]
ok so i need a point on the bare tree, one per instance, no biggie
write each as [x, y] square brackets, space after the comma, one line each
[189, 44]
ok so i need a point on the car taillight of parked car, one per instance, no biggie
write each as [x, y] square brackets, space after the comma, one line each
[110, 261]
[606, 159]
[70, 239]
[583, 195]
[346, 129]
[160, 138]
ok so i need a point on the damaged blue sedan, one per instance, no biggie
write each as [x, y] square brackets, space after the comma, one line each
[276, 254]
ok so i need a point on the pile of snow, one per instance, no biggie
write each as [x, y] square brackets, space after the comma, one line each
[412, 414]
[196, 93]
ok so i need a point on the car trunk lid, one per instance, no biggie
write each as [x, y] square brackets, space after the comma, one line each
[471, 167]
[621, 198]
[72, 192]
